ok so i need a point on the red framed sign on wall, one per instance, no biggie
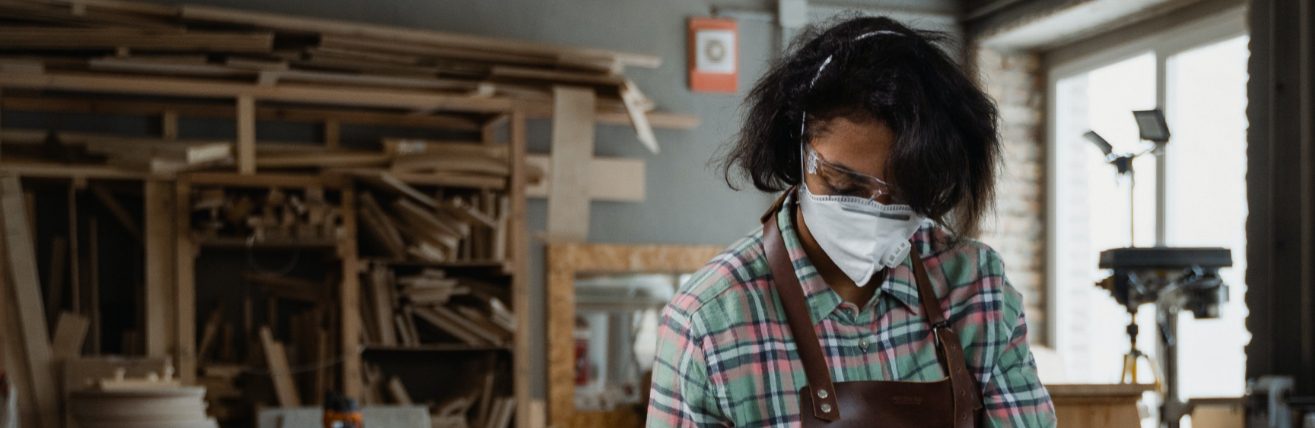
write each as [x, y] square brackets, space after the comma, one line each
[714, 51]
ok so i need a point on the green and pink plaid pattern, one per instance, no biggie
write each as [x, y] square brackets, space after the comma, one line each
[726, 356]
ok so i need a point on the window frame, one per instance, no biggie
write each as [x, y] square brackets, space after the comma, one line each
[1100, 51]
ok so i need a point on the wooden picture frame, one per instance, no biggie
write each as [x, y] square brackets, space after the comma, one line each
[565, 261]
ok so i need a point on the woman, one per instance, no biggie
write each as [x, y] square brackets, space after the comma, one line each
[861, 301]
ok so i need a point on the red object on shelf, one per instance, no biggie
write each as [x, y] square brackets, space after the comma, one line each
[714, 55]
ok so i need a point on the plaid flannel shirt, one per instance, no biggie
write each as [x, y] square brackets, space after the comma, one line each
[726, 357]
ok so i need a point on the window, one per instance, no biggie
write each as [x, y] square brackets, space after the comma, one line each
[1194, 196]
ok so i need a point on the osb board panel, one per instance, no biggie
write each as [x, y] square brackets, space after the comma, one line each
[1097, 415]
[619, 418]
[567, 260]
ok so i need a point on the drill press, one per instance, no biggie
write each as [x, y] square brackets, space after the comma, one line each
[1174, 279]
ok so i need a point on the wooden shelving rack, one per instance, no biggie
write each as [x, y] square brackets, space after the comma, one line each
[175, 63]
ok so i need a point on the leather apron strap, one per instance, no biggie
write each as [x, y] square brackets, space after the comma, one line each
[825, 406]
[966, 398]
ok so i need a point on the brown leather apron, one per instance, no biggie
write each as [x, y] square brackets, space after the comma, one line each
[952, 402]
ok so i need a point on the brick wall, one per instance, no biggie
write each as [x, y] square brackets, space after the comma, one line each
[1017, 228]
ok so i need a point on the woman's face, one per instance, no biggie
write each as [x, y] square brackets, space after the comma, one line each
[859, 145]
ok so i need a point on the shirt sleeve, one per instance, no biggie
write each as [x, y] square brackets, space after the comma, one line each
[1013, 395]
[682, 394]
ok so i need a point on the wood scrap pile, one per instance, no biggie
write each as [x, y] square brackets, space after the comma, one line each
[205, 51]
[479, 407]
[149, 402]
[417, 226]
[275, 214]
[431, 307]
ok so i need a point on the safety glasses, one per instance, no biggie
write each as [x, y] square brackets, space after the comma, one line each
[837, 180]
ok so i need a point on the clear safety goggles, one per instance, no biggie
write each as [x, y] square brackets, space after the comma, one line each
[837, 180]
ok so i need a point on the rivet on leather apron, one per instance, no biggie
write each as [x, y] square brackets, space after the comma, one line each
[952, 402]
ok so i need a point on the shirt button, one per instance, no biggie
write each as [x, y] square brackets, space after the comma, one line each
[863, 344]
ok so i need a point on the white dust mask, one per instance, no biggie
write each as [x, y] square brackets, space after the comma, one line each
[861, 236]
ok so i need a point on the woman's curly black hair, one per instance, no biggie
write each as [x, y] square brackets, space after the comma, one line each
[947, 150]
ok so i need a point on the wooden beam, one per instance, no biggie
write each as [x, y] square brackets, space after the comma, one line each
[246, 135]
[206, 88]
[114, 38]
[169, 125]
[93, 282]
[332, 134]
[184, 257]
[23, 291]
[160, 301]
[70, 332]
[633, 101]
[349, 299]
[55, 280]
[132, 107]
[279, 372]
[609, 179]
[411, 36]
[75, 256]
[572, 148]
[118, 212]
[554, 76]
[518, 263]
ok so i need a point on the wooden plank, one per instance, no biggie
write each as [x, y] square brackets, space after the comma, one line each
[205, 88]
[169, 125]
[210, 333]
[160, 305]
[246, 135]
[555, 76]
[633, 101]
[111, 38]
[572, 148]
[398, 391]
[119, 213]
[449, 326]
[610, 179]
[74, 227]
[404, 35]
[184, 257]
[349, 298]
[134, 107]
[93, 281]
[383, 304]
[279, 372]
[70, 332]
[517, 237]
[332, 134]
[23, 290]
[56, 270]
[320, 384]
[319, 159]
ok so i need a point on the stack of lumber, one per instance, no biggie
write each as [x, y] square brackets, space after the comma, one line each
[461, 310]
[159, 156]
[213, 52]
[430, 161]
[151, 402]
[222, 392]
[274, 214]
[417, 226]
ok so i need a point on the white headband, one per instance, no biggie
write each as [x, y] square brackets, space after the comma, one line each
[827, 61]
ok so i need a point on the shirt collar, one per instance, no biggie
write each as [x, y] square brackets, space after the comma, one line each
[899, 283]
